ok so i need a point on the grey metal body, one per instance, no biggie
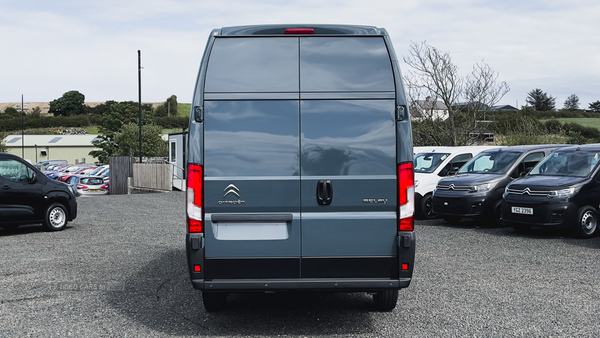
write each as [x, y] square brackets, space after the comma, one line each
[299, 137]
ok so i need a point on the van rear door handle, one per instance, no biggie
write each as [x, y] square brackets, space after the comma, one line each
[324, 192]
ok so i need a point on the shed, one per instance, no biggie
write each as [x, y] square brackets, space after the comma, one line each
[73, 148]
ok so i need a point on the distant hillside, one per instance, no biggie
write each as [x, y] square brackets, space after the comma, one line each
[45, 106]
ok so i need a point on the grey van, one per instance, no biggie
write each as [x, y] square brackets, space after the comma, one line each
[476, 190]
[300, 173]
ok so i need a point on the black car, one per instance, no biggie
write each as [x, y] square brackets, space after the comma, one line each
[476, 190]
[28, 196]
[562, 190]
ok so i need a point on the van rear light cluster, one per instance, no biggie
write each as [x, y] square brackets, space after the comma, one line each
[406, 197]
[194, 198]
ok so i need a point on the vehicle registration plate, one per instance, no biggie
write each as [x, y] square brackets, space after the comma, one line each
[521, 210]
[94, 190]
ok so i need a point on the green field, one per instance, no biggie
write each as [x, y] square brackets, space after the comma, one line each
[183, 109]
[586, 122]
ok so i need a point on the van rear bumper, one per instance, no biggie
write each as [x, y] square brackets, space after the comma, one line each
[306, 284]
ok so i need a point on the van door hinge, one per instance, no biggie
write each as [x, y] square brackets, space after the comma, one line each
[199, 113]
[400, 113]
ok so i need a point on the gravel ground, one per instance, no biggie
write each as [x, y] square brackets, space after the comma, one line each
[119, 270]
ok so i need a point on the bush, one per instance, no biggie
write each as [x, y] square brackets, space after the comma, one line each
[553, 126]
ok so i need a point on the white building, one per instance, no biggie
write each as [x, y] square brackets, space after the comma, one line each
[73, 148]
[429, 109]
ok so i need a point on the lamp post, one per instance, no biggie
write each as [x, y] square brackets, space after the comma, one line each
[35, 146]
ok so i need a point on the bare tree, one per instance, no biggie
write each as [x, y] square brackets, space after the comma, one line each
[433, 75]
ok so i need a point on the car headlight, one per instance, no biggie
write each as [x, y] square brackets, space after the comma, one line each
[480, 187]
[563, 193]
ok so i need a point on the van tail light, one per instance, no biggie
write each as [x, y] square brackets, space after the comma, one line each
[194, 200]
[406, 197]
[299, 31]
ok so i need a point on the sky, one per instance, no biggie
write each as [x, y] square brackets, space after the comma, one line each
[50, 47]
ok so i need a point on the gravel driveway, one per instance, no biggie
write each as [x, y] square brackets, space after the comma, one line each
[119, 270]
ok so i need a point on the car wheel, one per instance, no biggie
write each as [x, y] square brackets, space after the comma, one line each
[497, 215]
[426, 209]
[587, 222]
[214, 301]
[452, 219]
[56, 217]
[385, 301]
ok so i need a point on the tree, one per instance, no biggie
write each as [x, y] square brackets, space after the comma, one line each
[540, 100]
[595, 106]
[11, 111]
[3, 147]
[433, 74]
[71, 103]
[152, 143]
[117, 115]
[572, 103]
[36, 112]
[169, 108]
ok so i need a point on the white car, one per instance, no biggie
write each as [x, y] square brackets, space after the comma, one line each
[434, 163]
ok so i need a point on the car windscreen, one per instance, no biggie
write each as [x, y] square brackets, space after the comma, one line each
[428, 162]
[576, 164]
[91, 181]
[498, 162]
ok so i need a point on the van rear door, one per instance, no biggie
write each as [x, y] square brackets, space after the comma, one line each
[251, 159]
[348, 158]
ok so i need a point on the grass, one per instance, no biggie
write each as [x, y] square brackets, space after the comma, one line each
[183, 109]
[586, 122]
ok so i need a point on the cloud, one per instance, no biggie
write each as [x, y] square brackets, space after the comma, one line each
[51, 47]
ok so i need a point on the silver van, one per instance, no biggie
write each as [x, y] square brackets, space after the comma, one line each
[300, 173]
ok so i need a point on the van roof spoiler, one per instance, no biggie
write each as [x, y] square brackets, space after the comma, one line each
[318, 30]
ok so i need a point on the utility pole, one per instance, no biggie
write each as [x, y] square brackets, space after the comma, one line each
[140, 100]
[22, 131]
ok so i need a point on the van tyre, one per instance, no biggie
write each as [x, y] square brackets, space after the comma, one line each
[426, 209]
[497, 214]
[55, 218]
[587, 222]
[385, 301]
[214, 301]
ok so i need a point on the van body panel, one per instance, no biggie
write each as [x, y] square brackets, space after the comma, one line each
[299, 141]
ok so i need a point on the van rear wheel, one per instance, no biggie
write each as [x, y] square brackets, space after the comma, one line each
[214, 301]
[385, 301]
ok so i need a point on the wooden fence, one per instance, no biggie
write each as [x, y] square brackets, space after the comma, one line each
[153, 176]
[120, 170]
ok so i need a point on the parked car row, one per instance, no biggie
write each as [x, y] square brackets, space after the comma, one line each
[83, 178]
[521, 186]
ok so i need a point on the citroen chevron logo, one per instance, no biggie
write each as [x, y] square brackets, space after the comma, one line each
[231, 189]
[527, 191]
[451, 187]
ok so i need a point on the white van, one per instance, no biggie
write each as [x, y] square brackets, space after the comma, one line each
[435, 163]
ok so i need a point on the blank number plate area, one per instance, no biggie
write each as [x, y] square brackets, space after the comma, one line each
[521, 210]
